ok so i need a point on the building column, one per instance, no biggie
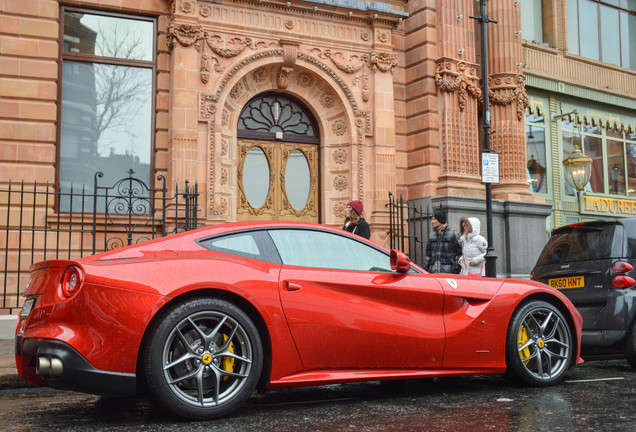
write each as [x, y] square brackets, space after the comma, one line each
[186, 151]
[508, 100]
[458, 101]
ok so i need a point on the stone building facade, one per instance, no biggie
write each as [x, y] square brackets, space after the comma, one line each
[366, 98]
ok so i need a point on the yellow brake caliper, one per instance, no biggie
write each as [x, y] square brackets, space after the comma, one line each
[524, 337]
[228, 362]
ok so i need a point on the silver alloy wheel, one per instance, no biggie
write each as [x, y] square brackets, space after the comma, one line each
[207, 359]
[544, 343]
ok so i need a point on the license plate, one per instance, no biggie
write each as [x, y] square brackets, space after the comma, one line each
[567, 282]
[26, 308]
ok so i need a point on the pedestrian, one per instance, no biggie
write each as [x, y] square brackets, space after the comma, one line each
[354, 222]
[474, 247]
[443, 249]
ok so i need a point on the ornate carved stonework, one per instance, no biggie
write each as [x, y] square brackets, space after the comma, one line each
[383, 61]
[508, 89]
[462, 81]
[290, 50]
[339, 127]
[187, 7]
[304, 79]
[188, 35]
[349, 65]
[205, 10]
[340, 182]
[339, 210]
[340, 156]
[260, 74]
[208, 107]
[236, 91]
[327, 100]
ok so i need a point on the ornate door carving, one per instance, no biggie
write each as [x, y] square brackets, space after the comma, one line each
[277, 181]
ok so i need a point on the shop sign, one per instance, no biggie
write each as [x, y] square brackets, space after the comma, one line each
[608, 206]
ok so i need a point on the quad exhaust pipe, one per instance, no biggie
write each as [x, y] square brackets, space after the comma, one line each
[49, 367]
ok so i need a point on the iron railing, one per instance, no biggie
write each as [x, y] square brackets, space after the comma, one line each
[39, 222]
[409, 228]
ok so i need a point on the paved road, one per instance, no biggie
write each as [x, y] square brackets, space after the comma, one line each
[597, 396]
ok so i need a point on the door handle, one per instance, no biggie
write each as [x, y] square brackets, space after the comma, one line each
[290, 286]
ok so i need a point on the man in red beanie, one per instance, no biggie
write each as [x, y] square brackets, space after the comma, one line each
[354, 222]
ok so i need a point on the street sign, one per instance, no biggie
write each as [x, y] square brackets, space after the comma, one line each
[490, 167]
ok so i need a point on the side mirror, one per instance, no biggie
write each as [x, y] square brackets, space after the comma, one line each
[400, 262]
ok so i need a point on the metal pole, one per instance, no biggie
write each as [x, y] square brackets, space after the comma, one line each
[491, 256]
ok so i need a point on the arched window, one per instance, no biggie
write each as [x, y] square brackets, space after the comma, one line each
[277, 116]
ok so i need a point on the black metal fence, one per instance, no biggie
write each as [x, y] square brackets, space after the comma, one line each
[39, 222]
[409, 228]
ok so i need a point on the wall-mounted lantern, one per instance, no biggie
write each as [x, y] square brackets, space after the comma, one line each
[578, 166]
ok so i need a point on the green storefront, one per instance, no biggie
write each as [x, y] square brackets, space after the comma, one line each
[561, 117]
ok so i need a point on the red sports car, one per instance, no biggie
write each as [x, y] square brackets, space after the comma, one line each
[199, 320]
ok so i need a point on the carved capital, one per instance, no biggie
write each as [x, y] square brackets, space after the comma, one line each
[186, 34]
[383, 61]
[506, 89]
[458, 77]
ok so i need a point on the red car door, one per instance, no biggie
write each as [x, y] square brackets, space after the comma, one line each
[363, 319]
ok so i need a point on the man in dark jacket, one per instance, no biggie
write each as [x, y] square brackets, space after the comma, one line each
[443, 249]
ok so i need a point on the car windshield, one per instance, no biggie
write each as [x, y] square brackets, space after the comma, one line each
[581, 243]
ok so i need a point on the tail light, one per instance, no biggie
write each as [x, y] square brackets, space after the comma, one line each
[532, 274]
[72, 280]
[622, 281]
[622, 267]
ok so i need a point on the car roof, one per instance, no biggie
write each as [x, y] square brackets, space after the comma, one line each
[628, 223]
[190, 237]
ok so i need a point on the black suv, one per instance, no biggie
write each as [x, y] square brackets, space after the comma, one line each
[593, 264]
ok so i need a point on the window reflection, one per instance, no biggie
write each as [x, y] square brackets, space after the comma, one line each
[256, 177]
[297, 179]
[531, 21]
[616, 167]
[107, 36]
[106, 122]
[593, 147]
[106, 109]
[604, 31]
[536, 153]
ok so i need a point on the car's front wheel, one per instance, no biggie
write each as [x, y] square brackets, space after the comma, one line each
[202, 359]
[538, 345]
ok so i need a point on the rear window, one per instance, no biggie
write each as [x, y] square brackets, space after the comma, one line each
[582, 243]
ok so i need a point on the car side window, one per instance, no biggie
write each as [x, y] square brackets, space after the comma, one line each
[249, 244]
[308, 248]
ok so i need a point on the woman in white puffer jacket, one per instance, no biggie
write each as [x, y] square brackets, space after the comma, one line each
[474, 247]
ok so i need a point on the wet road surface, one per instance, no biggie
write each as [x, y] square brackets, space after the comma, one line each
[597, 396]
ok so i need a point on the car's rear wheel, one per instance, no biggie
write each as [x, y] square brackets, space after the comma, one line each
[538, 345]
[203, 359]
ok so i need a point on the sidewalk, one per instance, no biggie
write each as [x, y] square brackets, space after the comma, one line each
[8, 373]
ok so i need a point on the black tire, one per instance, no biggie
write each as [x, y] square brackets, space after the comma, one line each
[630, 346]
[538, 345]
[202, 359]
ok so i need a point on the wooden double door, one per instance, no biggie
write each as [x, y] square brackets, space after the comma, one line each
[277, 181]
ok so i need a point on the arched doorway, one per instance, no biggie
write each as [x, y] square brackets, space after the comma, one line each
[278, 143]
